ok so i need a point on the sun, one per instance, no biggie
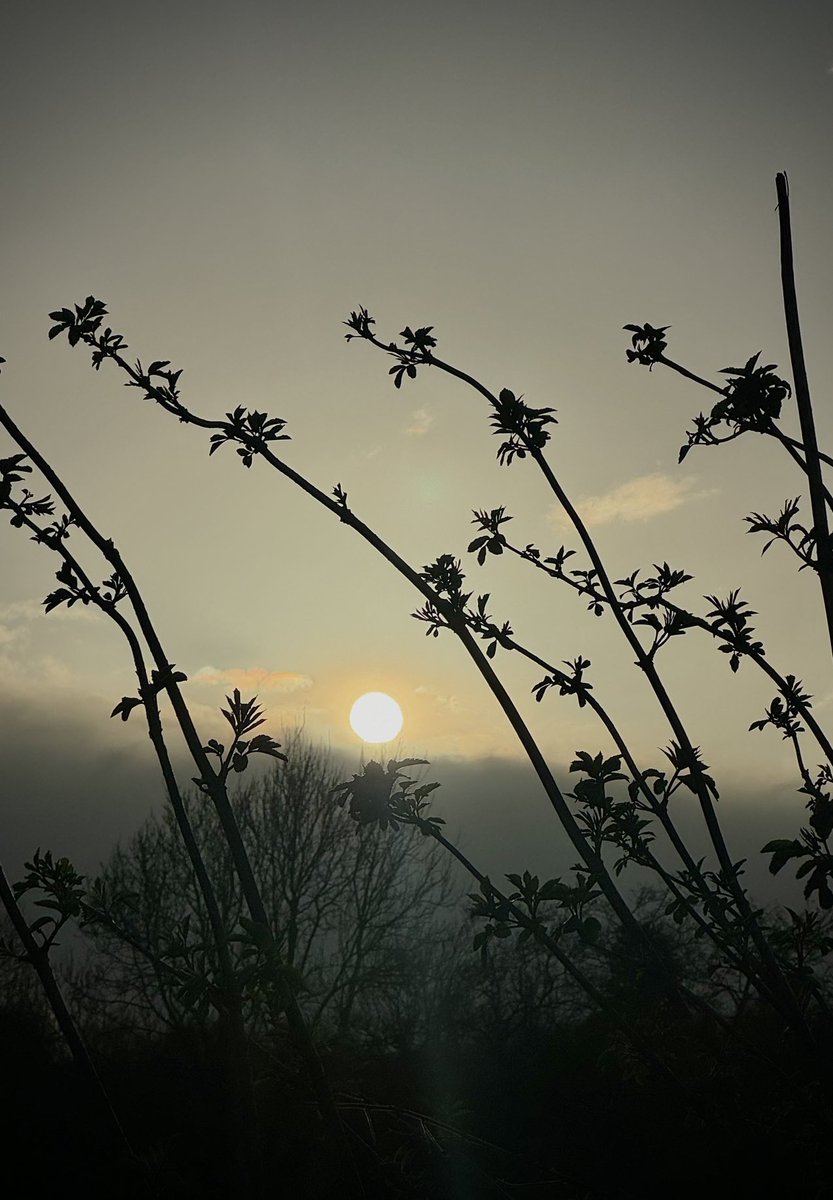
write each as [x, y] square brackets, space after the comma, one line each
[376, 717]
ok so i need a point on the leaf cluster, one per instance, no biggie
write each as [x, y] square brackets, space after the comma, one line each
[252, 429]
[812, 845]
[448, 610]
[605, 819]
[731, 619]
[385, 796]
[524, 427]
[554, 908]
[785, 528]
[648, 344]
[159, 682]
[61, 890]
[571, 684]
[751, 402]
[243, 716]
[784, 711]
[81, 324]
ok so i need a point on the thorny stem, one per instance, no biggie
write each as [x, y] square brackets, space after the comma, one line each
[824, 548]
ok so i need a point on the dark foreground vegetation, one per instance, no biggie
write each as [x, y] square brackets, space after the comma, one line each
[278, 991]
[476, 1079]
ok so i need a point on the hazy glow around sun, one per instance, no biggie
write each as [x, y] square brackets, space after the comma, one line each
[376, 717]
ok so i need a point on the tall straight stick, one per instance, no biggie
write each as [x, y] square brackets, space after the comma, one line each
[824, 550]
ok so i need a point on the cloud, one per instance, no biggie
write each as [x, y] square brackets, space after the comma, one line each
[19, 616]
[637, 500]
[72, 782]
[256, 679]
[28, 669]
[421, 422]
[447, 702]
[16, 618]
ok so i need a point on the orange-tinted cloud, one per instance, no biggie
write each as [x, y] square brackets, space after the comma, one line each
[437, 697]
[421, 422]
[637, 500]
[253, 679]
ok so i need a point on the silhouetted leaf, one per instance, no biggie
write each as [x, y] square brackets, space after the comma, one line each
[125, 707]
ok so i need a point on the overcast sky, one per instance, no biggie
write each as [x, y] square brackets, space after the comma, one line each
[233, 179]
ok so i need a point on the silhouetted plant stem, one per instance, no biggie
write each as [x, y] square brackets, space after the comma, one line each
[540, 934]
[38, 958]
[793, 447]
[257, 447]
[778, 982]
[660, 811]
[762, 663]
[790, 447]
[756, 656]
[824, 548]
[794, 444]
[592, 861]
[772, 429]
[213, 786]
[594, 864]
[788, 1004]
[236, 1056]
[684, 371]
[347, 517]
[525, 425]
[693, 619]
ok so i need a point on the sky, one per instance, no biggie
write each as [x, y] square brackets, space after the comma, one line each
[232, 180]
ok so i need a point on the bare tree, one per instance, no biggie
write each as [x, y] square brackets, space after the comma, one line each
[349, 905]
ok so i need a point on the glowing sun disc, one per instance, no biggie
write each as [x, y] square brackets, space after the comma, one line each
[376, 717]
